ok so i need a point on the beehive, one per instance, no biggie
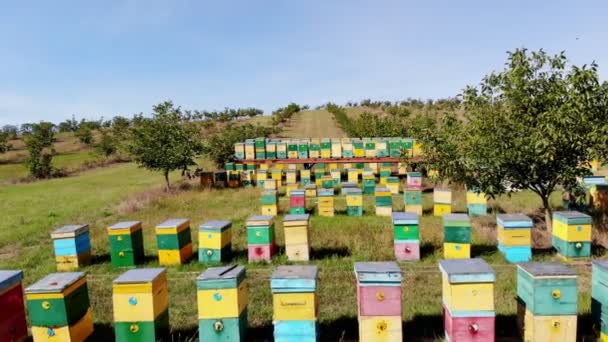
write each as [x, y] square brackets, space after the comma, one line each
[59, 309]
[347, 148]
[222, 304]
[599, 297]
[407, 145]
[291, 187]
[442, 201]
[270, 184]
[414, 180]
[325, 148]
[215, 241]
[304, 177]
[406, 236]
[468, 300]
[413, 200]
[547, 301]
[373, 167]
[370, 149]
[291, 176]
[456, 236]
[347, 185]
[249, 149]
[477, 204]
[271, 150]
[260, 148]
[229, 166]
[281, 150]
[297, 202]
[174, 242]
[239, 167]
[392, 183]
[394, 146]
[247, 178]
[369, 183]
[572, 234]
[401, 168]
[72, 247]
[379, 301]
[327, 182]
[514, 236]
[260, 238]
[234, 179]
[126, 244]
[239, 151]
[325, 202]
[382, 148]
[314, 148]
[353, 175]
[385, 172]
[295, 303]
[336, 176]
[303, 149]
[270, 203]
[311, 190]
[277, 175]
[13, 326]
[260, 177]
[358, 148]
[295, 228]
[384, 202]
[354, 201]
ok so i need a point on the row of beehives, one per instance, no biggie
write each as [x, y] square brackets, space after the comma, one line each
[59, 308]
[261, 148]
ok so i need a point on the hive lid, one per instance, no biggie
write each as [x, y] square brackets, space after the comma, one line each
[174, 223]
[572, 217]
[547, 269]
[378, 272]
[8, 278]
[467, 271]
[55, 282]
[311, 187]
[293, 217]
[325, 192]
[222, 273]
[297, 192]
[601, 263]
[414, 174]
[352, 191]
[216, 225]
[514, 220]
[294, 279]
[70, 231]
[455, 219]
[404, 218]
[140, 275]
[260, 220]
[125, 225]
[382, 189]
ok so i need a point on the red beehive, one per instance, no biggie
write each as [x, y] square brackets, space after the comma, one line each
[12, 315]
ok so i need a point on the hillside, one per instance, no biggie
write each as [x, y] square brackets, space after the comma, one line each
[312, 124]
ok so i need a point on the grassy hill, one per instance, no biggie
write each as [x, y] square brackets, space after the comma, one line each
[313, 124]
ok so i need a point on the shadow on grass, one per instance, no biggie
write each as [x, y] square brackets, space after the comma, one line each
[480, 250]
[427, 250]
[549, 251]
[100, 259]
[105, 332]
[328, 252]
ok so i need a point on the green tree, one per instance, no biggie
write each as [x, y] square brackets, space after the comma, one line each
[5, 146]
[107, 144]
[39, 143]
[84, 135]
[165, 142]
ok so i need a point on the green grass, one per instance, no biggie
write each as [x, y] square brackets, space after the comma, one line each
[313, 123]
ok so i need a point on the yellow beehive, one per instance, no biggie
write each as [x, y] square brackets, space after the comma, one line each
[270, 184]
[277, 175]
[290, 187]
[297, 246]
[325, 202]
[549, 328]
[270, 209]
[174, 242]
[140, 295]
[467, 296]
[374, 167]
[413, 208]
[310, 190]
[291, 177]
[456, 250]
[80, 331]
[401, 168]
[353, 176]
[393, 187]
[336, 149]
[278, 166]
[417, 151]
[476, 198]
[380, 328]
[441, 209]
[221, 299]
[336, 175]
[572, 232]
[354, 200]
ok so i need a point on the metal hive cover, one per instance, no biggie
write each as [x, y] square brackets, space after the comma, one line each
[140, 275]
[172, 223]
[125, 225]
[455, 217]
[547, 269]
[225, 272]
[465, 266]
[572, 215]
[513, 217]
[295, 272]
[72, 228]
[216, 224]
[601, 263]
[377, 267]
[55, 282]
[260, 218]
[292, 217]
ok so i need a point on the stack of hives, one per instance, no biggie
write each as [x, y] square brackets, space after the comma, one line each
[260, 177]
[413, 200]
[336, 148]
[414, 180]
[310, 190]
[215, 241]
[325, 148]
[304, 177]
[369, 181]
[126, 244]
[292, 149]
[384, 202]
[72, 247]
[456, 236]
[325, 202]
[347, 148]
[314, 148]
[297, 202]
[599, 297]
[385, 172]
[58, 307]
[393, 184]
[547, 301]
[477, 204]
[572, 234]
[174, 242]
[281, 150]
[13, 326]
[260, 148]
[271, 149]
[141, 305]
[514, 236]
[379, 301]
[354, 201]
[407, 236]
[319, 172]
[382, 148]
[222, 304]
[303, 149]
[250, 149]
[353, 175]
[336, 175]
[468, 300]
[260, 238]
[442, 201]
[295, 228]
[295, 303]
[370, 148]
[270, 203]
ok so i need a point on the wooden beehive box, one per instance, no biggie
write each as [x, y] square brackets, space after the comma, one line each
[59, 309]
[141, 305]
[215, 241]
[222, 304]
[13, 326]
[456, 236]
[406, 234]
[174, 242]
[325, 202]
[572, 234]
[297, 245]
[72, 246]
[260, 238]
[514, 236]
[126, 243]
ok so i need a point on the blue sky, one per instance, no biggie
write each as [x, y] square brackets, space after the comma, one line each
[103, 58]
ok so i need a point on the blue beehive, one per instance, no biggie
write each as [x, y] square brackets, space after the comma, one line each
[515, 237]
[599, 297]
[72, 247]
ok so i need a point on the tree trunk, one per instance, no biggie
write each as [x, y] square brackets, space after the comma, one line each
[166, 174]
[548, 212]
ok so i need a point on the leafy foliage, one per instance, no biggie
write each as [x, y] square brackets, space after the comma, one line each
[371, 124]
[165, 142]
[285, 114]
[84, 135]
[5, 146]
[220, 147]
[39, 143]
[107, 145]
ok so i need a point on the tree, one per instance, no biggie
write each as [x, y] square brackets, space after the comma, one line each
[535, 125]
[107, 144]
[11, 130]
[84, 134]
[39, 143]
[165, 142]
[5, 146]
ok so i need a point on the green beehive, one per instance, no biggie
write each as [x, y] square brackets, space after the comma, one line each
[126, 244]
[303, 149]
[269, 197]
[369, 185]
[325, 148]
[281, 150]
[395, 148]
[271, 150]
[327, 182]
[239, 167]
[407, 145]
[229, 166]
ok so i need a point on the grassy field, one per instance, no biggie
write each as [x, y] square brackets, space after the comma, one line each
[313, 124]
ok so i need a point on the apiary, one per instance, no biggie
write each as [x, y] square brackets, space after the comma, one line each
[297, 202]
[297, 245]
[354, 201]
[72, 246]
[174, 242]
[379, 301]
[514, 237]
[295, 303]
[325, 202]
[59, 309]
[477, 204]
[384, 202]
[442, 201]
[270, 203]
[406, 234]
[126, 244]
[572, 234]
[468, 300]
[260, 238]
[456, 236]
[222, 304]
[215, 241]
[13, 326]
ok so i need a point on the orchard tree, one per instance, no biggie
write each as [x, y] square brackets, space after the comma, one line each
[84, 134]
[165, 142]
[220, 147]
[39, 143]
[5, 146]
